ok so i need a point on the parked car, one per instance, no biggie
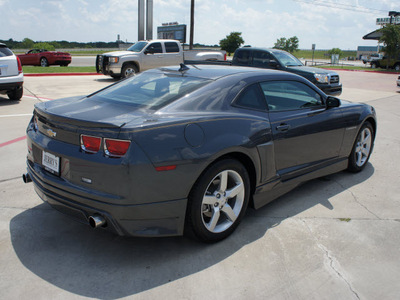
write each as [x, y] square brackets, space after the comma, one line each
[371, 58]
[327, 80]
[383, 63]
[398, 81]
[188, 149]
[44, 58]
[144, 55]
[11, 75]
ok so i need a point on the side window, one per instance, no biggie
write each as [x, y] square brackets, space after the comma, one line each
[262, 59]
[155, 48]
[171, 47]
[251, 98]
[242, 58]
[290, 95]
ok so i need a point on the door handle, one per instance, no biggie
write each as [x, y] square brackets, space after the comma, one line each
[283, 127]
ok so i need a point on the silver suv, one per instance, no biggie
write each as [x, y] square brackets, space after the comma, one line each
[11, 75]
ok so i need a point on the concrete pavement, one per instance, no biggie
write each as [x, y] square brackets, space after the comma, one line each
[332, 238]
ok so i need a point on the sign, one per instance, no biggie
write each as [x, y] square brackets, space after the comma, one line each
[384, 21]
[172, 32]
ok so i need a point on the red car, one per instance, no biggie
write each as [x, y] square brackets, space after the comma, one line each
[44, 58]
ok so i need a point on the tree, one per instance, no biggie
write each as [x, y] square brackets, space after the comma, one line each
[290, 45]
[231, 42]
[391, 41]
[335, 51]
[42, 45]
[27, 43]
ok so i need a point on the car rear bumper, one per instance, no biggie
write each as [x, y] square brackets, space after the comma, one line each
[154, 219]
[10, 85]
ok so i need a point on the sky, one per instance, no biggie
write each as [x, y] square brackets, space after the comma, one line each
[326, 23]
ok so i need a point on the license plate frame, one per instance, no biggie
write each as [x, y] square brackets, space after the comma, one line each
[51, 163]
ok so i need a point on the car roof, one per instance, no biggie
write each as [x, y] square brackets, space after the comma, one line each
[272, 50]
[4, 45]
[215, 72]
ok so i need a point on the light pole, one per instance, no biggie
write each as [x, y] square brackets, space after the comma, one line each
[191, 24]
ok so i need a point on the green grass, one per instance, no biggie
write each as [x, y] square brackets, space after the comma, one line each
[367, 69]
[58, 69]
[345, 219]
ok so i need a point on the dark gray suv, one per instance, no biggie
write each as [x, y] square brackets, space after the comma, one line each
[11, 75]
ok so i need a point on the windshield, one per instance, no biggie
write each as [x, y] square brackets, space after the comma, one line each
[137, 47]
[287, 59]
[150, 90]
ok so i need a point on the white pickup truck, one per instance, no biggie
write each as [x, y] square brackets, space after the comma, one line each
[144, 55]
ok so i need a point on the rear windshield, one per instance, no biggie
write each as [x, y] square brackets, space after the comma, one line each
[150, 90]
[4, 51]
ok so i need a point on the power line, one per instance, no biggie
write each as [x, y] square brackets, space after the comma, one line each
[343, 6]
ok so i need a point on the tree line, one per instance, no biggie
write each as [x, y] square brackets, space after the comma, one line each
[27, 43]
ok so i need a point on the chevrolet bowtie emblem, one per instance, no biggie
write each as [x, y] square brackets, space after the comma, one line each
[51, 133]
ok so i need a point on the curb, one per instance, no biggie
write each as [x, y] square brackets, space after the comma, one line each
[59, 74]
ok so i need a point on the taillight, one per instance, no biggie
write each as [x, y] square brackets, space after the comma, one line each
[225, 56]
[116, 148]
[19, 65]
[90, 144]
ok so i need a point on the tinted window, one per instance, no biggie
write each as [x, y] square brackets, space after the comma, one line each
[251, 98]
[4, 51]
[262, 59]
[287, 59]
[290, 95]
[242, 57]
[155, 48]
[150, 90]
[171, 47]
[137, 47]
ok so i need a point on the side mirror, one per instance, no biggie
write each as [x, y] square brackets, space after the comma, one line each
[273, 64]
[332, 102]
[149, 51]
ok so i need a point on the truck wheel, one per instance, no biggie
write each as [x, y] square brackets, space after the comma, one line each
[373, 65]
[397, 67]
[128, 70]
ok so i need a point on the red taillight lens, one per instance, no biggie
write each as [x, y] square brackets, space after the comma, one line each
[116, 148]
[19, 65]
[90, 144]
[225, 56]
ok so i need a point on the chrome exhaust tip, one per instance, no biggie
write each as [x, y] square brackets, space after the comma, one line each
[97, 221]
[26, 178]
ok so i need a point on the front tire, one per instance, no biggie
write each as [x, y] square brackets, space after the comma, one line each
[128, 70]
[218, 201]
[362, 148]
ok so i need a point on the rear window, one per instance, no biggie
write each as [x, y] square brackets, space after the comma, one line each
[171, 47]
[151, 90]
[4, 51]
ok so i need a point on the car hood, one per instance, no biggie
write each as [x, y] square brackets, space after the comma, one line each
[120, 53]
[304, 69]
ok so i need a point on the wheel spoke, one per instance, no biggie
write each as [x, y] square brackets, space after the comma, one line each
[234, 191]
[214, 219]
[365, 151]
[224, 181]
[207, 199]
[229, 212]
[366, 139]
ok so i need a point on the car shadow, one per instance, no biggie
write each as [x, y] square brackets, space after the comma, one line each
[98, 264]
[5, 101]
[106, 79]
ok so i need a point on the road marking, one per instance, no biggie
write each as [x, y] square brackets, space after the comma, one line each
[38, 98]
[18, 115]
[13, 141]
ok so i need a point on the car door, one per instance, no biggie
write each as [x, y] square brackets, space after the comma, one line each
[306, 134]
[173, 55]
[154, 56]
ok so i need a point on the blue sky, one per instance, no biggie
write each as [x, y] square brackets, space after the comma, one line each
[327, 23]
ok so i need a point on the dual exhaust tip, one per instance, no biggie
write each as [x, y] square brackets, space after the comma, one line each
[95, 221]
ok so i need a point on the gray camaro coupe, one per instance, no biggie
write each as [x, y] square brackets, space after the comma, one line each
[188, 149]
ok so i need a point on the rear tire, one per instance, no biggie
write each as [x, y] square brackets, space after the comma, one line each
[362, 148]
[397, 67]
[15, 94]
[218, 201]
[44, 62]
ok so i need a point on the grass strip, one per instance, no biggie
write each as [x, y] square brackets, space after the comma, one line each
[57, 69]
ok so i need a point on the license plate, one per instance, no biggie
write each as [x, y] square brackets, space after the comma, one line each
[51, 162]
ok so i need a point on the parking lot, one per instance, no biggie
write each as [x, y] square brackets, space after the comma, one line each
[335, 237]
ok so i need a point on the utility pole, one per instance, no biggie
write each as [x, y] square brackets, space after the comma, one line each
[191, 24]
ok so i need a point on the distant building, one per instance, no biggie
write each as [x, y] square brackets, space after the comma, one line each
[366, 50]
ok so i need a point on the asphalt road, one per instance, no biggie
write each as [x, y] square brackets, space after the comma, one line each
[333, 238]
